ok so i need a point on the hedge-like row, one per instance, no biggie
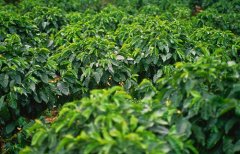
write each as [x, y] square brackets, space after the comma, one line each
[53, 52]
[194, 110]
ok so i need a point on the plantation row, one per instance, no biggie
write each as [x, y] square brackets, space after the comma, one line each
[167, 76]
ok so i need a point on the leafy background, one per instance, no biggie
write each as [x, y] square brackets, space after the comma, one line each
[108, 76]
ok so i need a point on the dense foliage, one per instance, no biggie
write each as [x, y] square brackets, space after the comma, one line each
[111, 122]
[167, 74]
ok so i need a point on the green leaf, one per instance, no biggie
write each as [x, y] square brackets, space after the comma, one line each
[4, 79]
[176, 144]
[26, 150]
[60, 126]
[10, 127]
[199, 134]
[65, 141]
[44, 77]
[88, 149]
[157, 75]
[128, 84]
[228, 146]
[120, 57]
[37, 99]
[4, 111]
[183, 126]
[190, 146]
[213, 139]
[17, 79]
[106, 135]
[44, 96]
[2, 105]
[38, 138]
[237, 146]
[195, 94]
[44, 24]
[115, 133]
[12, 100]
[87, 112]
[229, 124]
[63, 88]
[110, 68]
[97, 75]
[32, 86]
[235, 90]
[189, 86]
[133, 122]
[166, 57]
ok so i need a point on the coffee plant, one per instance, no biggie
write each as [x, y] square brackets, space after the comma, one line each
[207, 93]
[110, 121]
[108, 76]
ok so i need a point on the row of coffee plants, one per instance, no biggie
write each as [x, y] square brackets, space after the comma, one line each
[52, 52]
[110, 121]
[193, 110]
[223, 15]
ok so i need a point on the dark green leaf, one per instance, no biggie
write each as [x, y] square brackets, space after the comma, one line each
[63, 88]
[4, 79]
